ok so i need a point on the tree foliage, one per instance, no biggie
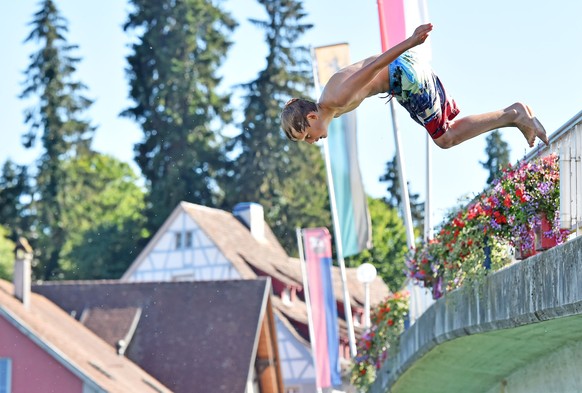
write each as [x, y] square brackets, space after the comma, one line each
[15, 212]
[173, 83]
[104, 205]
[497, 151]
[57, 118]
[287, 178]
[390, 248]
[6, 254]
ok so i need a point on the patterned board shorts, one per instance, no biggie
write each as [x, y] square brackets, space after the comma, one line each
[422, 94]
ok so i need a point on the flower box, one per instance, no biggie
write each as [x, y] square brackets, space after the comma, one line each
[543, 240]
[523, 251]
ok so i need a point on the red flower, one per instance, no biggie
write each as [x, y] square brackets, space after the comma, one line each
[390, 322]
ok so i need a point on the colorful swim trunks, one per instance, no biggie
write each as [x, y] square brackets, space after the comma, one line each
[422, 94]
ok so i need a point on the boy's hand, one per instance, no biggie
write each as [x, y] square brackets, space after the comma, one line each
[420, 34]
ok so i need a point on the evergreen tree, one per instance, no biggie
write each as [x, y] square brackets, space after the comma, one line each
[57, 118]
[389, 239]
[394, 198]
[497, 151]
[288, 179]
[15, 199]
[173, 82]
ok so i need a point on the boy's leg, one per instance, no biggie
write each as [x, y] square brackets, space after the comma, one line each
[517, 115]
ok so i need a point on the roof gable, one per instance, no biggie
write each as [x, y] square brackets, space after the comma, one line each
[248, 256]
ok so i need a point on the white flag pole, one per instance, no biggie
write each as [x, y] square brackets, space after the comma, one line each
[336, 227]
[403, 184]
[427, 206]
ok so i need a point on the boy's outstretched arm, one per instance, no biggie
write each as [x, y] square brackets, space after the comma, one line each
[368, 72]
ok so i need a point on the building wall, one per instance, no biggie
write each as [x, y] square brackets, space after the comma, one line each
[296, 361]
[556, 372]
[184, 252]
[33, 369]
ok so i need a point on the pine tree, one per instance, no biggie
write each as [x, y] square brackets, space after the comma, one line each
[173, 83]
[497, 151]
[394, 198]
[287, 178]
[57, 118]
[15, 194]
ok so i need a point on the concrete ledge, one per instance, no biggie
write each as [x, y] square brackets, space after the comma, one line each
[542, 288]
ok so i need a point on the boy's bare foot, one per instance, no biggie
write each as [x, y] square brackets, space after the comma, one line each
[529, 125]
[540, 130]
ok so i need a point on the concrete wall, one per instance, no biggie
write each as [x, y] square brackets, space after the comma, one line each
[542, 289]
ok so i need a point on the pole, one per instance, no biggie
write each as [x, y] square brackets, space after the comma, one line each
[336, 228]
[402, 177]
[312, 337]
[340, 254]
[427, 207]
[367, 322]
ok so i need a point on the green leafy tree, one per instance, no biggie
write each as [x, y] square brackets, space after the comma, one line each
[57, 118]
[173, 83]
[390, 248]
[498, 152]
[103, 203]
[288, 179]
[6, 255]
[394, 198]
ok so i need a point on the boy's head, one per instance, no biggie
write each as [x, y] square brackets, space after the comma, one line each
[294, 119]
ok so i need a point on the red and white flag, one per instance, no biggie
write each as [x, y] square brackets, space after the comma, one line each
[398, 19]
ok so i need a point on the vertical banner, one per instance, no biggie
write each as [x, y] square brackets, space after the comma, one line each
[350, 198]
[398, 19]
[317, 246]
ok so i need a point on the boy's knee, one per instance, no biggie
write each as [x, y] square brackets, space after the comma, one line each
[444, 141]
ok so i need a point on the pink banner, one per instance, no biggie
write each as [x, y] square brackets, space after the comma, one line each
[392, 22]
[398, 19]
[317, 245]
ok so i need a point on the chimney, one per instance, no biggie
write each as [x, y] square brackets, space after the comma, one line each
[22, 271]
[251, 214]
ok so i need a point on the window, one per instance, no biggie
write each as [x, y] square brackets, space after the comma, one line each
[188, 241]
[5, 375]
[178, 240]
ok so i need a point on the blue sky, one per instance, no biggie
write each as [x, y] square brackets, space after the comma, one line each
[488, 55]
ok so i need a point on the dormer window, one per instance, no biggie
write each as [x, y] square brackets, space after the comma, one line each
[286, 297]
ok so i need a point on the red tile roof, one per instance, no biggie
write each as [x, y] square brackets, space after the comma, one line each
[81, 349]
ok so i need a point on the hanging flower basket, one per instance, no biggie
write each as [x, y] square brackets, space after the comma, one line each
[520, 209]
